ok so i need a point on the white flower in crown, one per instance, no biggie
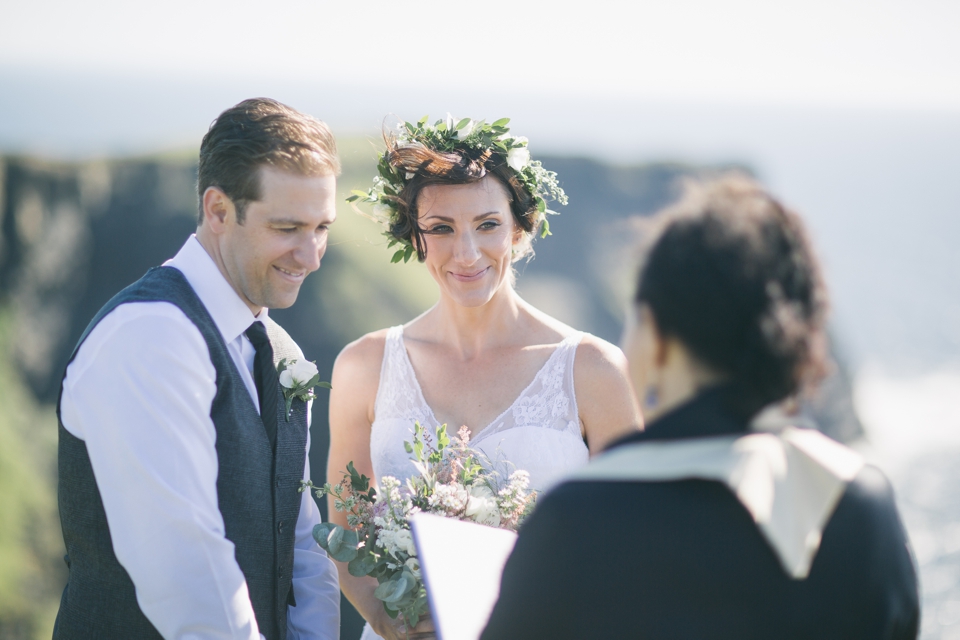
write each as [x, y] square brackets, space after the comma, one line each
[297, 379]
[382, 210]
[464, 132]
[518, 158]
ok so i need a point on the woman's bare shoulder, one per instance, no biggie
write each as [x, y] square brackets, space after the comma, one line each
[362, 356]
[597, 357]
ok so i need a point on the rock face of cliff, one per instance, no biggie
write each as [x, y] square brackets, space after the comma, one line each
[72, 235]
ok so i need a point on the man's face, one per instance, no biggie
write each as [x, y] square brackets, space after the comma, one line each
[282, 238]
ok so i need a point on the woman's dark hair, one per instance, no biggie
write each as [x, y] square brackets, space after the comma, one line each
[733, 277]
[463, 166]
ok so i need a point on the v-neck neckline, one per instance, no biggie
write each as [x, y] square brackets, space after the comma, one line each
[476, 436]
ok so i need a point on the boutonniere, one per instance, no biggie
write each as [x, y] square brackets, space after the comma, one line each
[298, 378]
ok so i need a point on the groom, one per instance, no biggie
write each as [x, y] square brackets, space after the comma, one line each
[179, 466]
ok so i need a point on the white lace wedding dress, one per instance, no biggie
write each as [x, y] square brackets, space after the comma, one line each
[539, 432]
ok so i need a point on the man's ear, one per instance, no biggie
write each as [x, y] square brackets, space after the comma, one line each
[217, 208]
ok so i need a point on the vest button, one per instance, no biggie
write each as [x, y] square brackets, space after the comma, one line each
[278, 483]
[280, 527]
[280, 573]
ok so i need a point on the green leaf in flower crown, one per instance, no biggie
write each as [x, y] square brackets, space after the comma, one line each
[541, 204]
[324, 385]
[408, 446]
[422, 121]
[408, 253]
[397, 256]
[502, 122]
[462, 124]
[545, 231]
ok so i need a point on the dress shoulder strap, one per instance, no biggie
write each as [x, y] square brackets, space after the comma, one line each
[569, 345]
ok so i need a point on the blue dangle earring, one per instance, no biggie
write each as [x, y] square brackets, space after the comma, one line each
[651, 396]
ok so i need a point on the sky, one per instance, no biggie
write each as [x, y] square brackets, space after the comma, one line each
[828, 53]
[848, 109]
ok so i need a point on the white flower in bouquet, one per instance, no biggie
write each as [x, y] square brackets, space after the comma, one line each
[414, 565]
[482, 506]
[518, 158]
[452, 482]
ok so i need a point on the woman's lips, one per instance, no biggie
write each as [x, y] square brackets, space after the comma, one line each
[470, 277]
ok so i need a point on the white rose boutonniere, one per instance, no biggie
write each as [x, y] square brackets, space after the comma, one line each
[298, 379]
[518, 158]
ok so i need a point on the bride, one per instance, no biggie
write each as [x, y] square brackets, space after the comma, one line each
[467, 200]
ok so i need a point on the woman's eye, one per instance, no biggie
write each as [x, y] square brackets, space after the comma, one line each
[441, 228]
[490, 224]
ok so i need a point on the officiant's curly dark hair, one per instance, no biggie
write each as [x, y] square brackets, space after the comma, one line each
[261, 132]
[732, 276]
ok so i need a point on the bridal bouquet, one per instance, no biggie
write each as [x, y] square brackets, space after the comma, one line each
[452, 482]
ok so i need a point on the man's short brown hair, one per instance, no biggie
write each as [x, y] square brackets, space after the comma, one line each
[261, 132]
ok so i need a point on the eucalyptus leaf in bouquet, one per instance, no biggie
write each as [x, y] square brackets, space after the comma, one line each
[453, 482]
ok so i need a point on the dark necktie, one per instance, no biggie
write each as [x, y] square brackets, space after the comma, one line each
[265, 375]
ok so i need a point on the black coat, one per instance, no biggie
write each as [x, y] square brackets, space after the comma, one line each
[684, 559]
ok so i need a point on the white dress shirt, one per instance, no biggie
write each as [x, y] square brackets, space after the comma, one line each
[139, 394]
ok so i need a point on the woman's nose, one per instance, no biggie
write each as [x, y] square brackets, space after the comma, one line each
[466, 249]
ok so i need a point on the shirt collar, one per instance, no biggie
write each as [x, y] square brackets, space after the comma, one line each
[231, 315]
[703, 416]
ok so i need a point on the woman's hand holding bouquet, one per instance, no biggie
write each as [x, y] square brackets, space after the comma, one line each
[378, 542]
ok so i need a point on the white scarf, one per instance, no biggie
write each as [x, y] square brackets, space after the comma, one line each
[789, 481]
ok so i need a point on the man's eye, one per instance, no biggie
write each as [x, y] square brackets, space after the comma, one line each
[286, 229]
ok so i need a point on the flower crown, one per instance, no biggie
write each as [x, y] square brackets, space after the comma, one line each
[449, 135]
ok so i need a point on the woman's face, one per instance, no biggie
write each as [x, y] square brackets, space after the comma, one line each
[469, 232]
[640, 345]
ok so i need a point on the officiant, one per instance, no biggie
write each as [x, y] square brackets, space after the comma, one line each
[721, 519]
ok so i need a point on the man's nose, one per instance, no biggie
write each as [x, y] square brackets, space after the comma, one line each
[311, 250]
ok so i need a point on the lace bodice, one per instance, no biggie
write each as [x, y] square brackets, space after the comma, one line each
[539, 432]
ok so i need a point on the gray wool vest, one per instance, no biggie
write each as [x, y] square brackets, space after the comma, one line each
[257, 491]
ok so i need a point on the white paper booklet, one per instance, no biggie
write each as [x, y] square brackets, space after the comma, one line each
[461, 563]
